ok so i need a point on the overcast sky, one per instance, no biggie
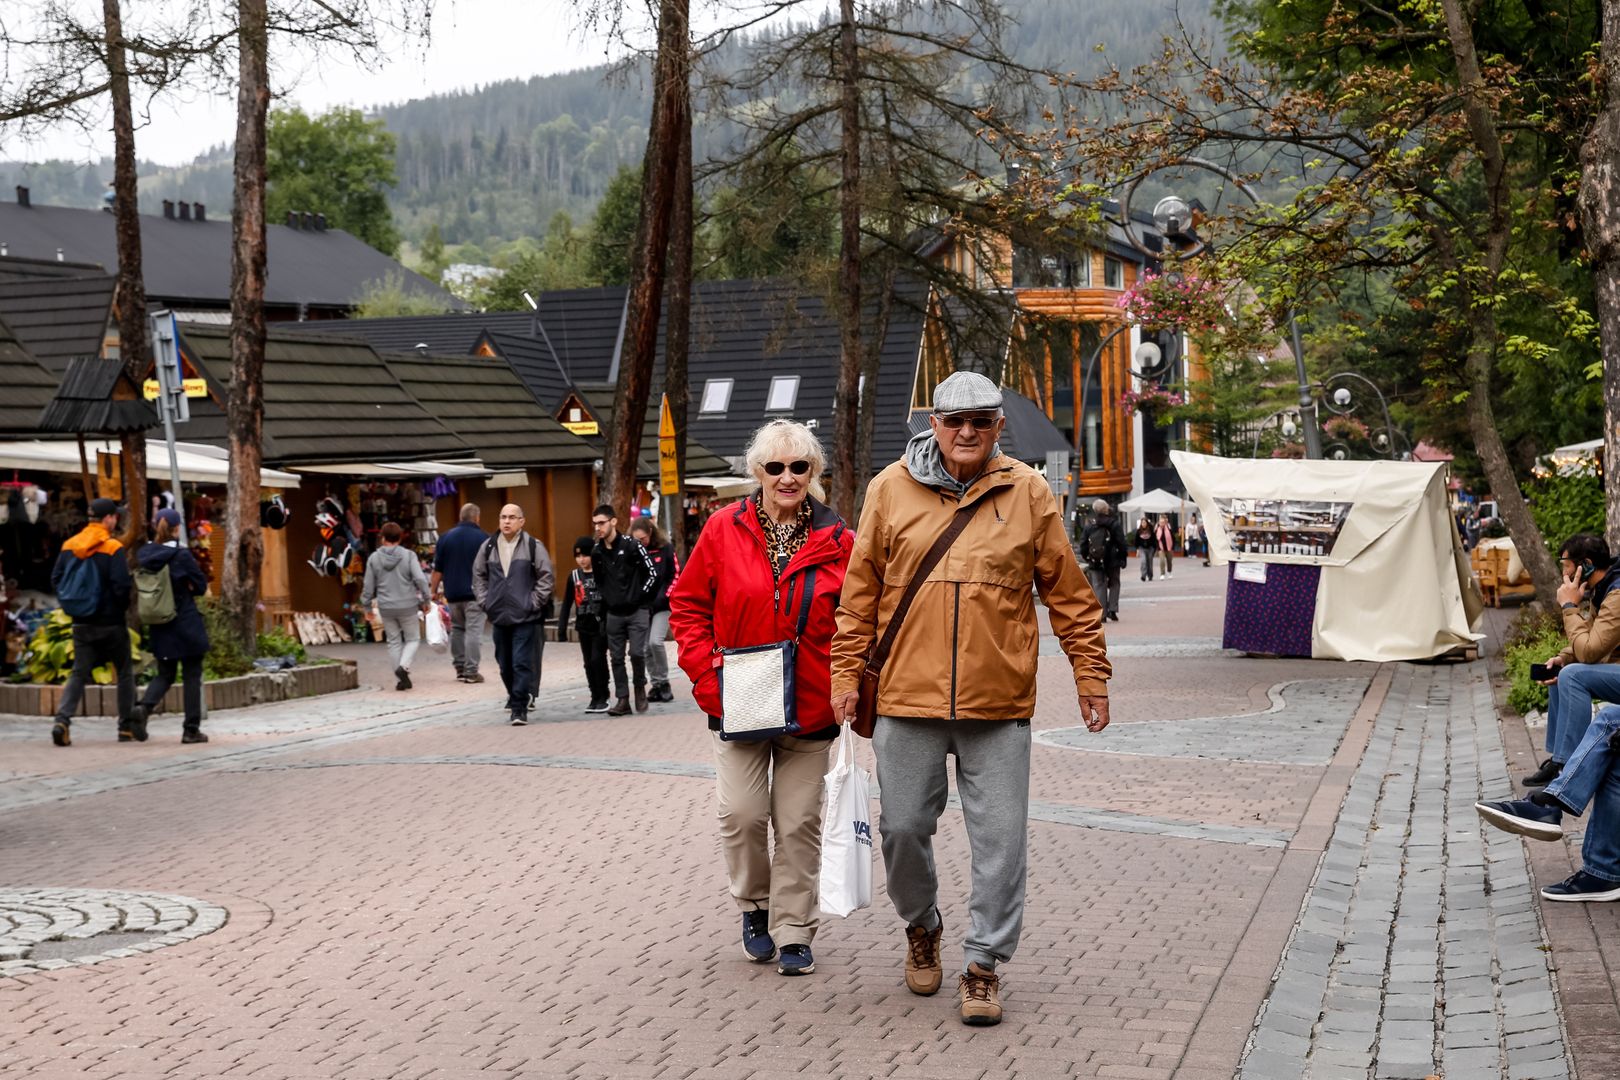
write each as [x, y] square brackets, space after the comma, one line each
[473, 42]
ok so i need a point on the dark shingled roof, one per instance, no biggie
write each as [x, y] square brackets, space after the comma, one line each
[536, 365]
[189, 262]
[13, 268]
[582, 326]
[700, 461]
[444, 335]
[1029, 434]
[28, 387]
[326, 401]
[58, 318]
[86, 403]
[482, 400]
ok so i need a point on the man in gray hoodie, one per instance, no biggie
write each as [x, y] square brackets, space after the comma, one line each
[513, 580]
[394, 579]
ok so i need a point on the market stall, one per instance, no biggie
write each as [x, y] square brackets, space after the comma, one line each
[1336, 560]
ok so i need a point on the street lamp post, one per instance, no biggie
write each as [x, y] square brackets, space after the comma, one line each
[1173, 216]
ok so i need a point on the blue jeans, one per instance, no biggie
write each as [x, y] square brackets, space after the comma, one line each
[1569, 704]
[1590, 777]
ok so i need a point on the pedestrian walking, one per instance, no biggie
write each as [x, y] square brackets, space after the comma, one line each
[93, 585]
[957, 674]
[626, 577]
[1165, 537]
[1194, 541]
[394, 580]
[453, 559]
[1102, 545]
[512, 579]
[767, 570]
[667, 567]
[1146, 545]
[180, 642]
[583, 599]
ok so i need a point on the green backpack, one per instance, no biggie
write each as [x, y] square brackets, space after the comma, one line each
[154, 591]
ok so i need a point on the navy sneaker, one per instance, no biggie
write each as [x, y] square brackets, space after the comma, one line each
[1545, 774]
[1524, 817]
[796, 960]
[757, 943]
[1581, 886]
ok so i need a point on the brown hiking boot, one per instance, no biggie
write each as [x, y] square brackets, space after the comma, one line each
[620, 708]
[981, 997]
[641, 699]
[923, 973]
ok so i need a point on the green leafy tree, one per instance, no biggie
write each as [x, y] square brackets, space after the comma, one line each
[390, 296]
[780, 218]
[339, 164]
[432, 252]
[559, 264]
[613, 229]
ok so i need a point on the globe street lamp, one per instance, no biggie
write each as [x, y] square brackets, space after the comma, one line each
[1173, 217]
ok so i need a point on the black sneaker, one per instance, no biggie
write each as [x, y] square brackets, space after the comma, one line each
[1524, 817]
[1581, 886]
[472, 677]
[757, 943]
[1546, 774]
[795, 960]
[597, 705]
[192, 736]
[137, 722]
[519, 718]
[403, 677]
[60, 735]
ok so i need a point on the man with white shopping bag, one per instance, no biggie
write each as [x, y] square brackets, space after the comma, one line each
[937, 602]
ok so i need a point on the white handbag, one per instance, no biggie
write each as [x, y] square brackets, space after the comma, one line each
[756, 683]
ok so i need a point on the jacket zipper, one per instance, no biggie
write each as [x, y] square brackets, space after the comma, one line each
[956, 628]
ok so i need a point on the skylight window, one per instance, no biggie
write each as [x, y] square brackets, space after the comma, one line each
[784, 393]
[716, 396]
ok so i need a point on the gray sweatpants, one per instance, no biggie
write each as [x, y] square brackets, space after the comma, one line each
[992, 778]
[466, 635]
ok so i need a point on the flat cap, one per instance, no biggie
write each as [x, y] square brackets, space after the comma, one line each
[966, 391]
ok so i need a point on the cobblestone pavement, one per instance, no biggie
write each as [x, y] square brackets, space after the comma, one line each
[416, 890]
[49, 929]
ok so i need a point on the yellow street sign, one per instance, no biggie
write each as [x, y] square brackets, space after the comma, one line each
[669, 477]
[583, 427]
[192, 387]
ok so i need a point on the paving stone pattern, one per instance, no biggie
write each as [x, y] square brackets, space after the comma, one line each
[87, 921]
[1303, 726]
[1418, 952]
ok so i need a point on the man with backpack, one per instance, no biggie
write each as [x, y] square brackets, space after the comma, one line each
[627, 578]
[93, 585]
[513, 579]
[1103, 548]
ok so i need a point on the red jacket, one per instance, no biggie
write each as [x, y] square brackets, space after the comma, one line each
[725, 597]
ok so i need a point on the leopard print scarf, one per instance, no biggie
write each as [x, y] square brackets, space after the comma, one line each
[783, 541]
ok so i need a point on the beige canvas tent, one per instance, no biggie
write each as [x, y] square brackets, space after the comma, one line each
[1368, 563]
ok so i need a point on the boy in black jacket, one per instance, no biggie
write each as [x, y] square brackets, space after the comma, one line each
[584, 599]
[626, 577]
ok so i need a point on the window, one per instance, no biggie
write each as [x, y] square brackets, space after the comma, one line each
[716, 396]
[1113, 273]
[1036, 269]
[784, 392]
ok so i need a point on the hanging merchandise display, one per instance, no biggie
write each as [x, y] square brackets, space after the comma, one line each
[338, 547]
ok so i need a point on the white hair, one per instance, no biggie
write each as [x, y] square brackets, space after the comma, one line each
[787, 440]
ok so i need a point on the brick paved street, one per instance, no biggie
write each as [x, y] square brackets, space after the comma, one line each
[412, 889]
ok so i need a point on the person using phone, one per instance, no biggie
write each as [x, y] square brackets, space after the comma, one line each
[1586, 670]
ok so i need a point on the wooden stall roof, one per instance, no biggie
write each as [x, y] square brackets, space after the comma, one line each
[58, 318]
[28, 387]
[326, 401]
[483, 401]
[97, 397]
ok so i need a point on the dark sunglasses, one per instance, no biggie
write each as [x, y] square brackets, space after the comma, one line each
[956, 420]
[775, 468]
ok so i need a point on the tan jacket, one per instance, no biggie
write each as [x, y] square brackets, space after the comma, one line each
[969, 646]
[1594, 636]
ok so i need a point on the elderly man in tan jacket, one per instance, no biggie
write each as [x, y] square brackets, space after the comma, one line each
[960, 678]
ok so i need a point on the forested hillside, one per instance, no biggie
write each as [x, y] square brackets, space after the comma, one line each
[491, 165]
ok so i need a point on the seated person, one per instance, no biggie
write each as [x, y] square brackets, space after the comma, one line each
[1587, 669]
[1590, 774]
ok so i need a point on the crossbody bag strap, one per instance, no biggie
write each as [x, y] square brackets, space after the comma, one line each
[880, 655]
[804, 604]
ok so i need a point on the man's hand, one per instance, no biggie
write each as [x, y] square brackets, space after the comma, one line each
[844, 706]
[1554, 663]
[1094, 711]
[1570, 592]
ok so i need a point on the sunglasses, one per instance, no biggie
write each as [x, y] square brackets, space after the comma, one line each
[956, 420]
[776, 468]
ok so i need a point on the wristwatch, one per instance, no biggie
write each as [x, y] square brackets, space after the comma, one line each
[1568, 604]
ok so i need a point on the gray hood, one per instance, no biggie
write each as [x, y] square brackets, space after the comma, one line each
[394, 579]
[927, 466]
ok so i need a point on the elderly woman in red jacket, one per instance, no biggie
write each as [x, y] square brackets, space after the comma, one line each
[744, 584]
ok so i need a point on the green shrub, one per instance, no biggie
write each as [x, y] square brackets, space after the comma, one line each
[1566, 505]
[1533, 645]
[49, 658]
[225, 657]
[278, 642]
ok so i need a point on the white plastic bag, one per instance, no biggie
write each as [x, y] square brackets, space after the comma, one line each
[438, 634]
[846, 834]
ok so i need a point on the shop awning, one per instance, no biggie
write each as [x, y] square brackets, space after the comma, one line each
[399, 470]
[724, 487]
[199, 464]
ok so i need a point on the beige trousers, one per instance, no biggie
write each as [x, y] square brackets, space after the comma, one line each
[773, 783]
